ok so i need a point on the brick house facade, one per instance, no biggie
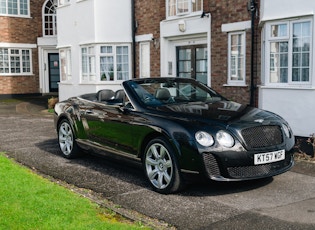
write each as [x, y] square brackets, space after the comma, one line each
[149, 16]
[19, 33]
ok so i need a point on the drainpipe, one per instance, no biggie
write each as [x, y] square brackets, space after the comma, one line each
[133, 28]
[252, 9]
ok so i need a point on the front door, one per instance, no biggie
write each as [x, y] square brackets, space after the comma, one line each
[192, 62]
[54, 74]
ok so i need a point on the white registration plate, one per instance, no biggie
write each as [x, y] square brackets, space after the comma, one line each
[265, 158]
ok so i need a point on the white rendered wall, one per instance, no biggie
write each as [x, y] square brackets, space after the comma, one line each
[294, 103]
[88, 23]
[277, 9]
[297, 106]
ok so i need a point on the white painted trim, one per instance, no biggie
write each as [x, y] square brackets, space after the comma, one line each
[18, 45]
[236, 26]
[144, 38]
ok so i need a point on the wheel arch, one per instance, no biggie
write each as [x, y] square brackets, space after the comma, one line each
[173, 143]
[65, 117]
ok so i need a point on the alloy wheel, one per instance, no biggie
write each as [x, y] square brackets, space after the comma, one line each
[159, 165]
[66, 140]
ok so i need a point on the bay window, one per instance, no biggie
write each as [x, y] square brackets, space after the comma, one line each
[109, 62]
[88, 64]
[114, 63]
[288, 52]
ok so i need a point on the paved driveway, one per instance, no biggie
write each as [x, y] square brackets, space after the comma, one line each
[284, 202]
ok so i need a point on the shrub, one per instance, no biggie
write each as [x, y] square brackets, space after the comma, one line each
[52, 102]
[305, 147]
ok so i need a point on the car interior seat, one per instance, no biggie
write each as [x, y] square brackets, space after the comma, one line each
[162, 94]
[105, 95]
[120, 95]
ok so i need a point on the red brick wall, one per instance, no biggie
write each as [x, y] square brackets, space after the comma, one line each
[149, 14]
[26, 31]
[223, 12]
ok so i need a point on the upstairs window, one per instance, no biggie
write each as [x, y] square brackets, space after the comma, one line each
[14, 7]
[63, 2]
[289, 52]
[183, 7]
[49, 18]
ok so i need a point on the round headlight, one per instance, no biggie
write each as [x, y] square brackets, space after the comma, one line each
[225, 139]
[203, 138]
[286, 130]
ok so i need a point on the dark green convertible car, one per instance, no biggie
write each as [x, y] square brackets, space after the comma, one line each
[176, 126]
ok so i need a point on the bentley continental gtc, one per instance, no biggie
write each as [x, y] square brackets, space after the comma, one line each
[175, 126]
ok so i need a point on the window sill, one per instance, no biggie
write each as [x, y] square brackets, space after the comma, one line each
[16, 75]
[235, 85]
[295, 87]
[101, 82]
[182, 16]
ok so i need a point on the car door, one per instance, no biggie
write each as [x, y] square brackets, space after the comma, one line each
[107, 126]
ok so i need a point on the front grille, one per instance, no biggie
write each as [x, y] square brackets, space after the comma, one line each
[258, 170]
[249, 171]
[262, 136]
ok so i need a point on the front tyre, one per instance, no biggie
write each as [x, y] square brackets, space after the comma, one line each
[161, 167]
[66, 139]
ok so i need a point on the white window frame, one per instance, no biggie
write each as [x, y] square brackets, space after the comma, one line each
[9, 63]
[287, 38]
[177, 13]
[19, 8]
[94, 62]
[231, 81]
[53, 16]
[65, 65]
[88, 74]
[63, 2]
[144, 51]
[114, 54]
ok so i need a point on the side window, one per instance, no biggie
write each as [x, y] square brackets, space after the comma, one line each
[65, 66]
[88, 63]
[236, 58]
[145, 59]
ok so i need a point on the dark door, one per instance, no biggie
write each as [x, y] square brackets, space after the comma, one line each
[54, 74]
[192, 62]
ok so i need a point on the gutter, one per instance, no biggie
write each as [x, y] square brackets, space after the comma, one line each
[133, 29]
[252, 8]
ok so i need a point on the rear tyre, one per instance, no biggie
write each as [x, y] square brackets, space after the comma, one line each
[66, 139]
[161, 167]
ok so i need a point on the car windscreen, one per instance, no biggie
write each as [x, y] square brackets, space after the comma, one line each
[164, 92]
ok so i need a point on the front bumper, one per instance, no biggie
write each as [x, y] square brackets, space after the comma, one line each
[222, 167]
